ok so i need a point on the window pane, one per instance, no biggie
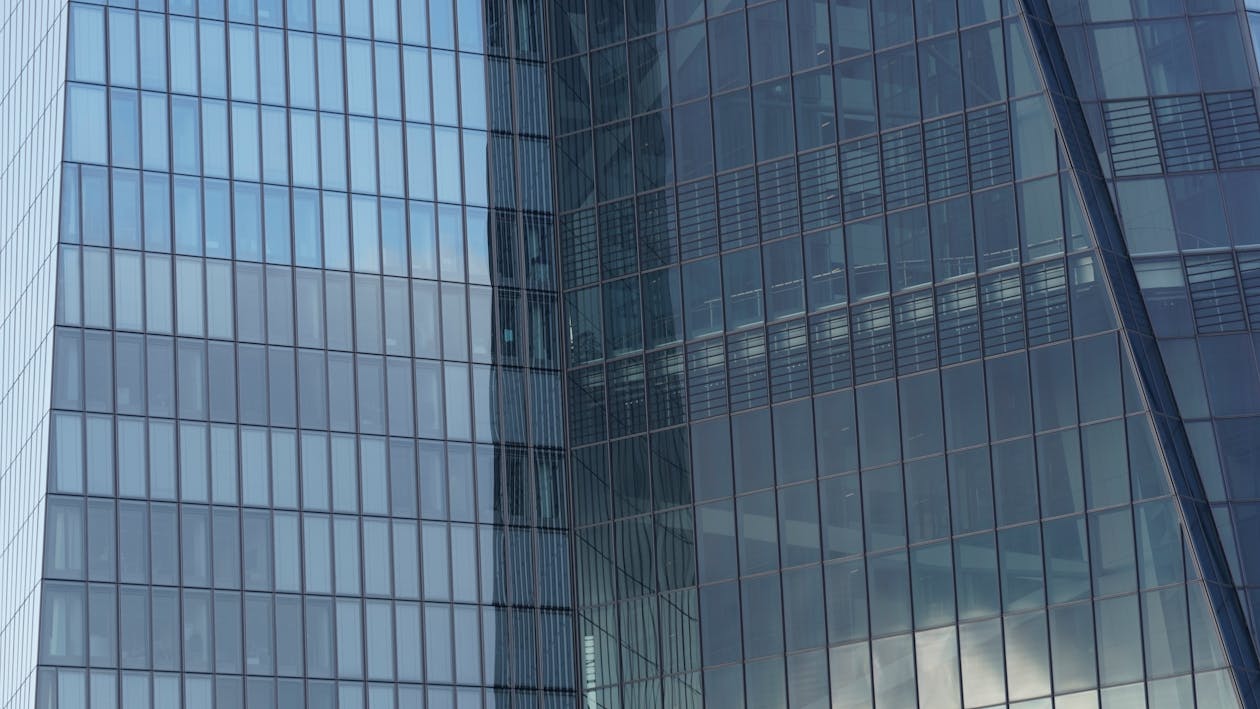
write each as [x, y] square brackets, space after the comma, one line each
[86, 139]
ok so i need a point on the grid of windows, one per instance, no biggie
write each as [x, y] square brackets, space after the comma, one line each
[853, 426]
[1177, 146]
[32, 35]
[815, 375]
[306, 429]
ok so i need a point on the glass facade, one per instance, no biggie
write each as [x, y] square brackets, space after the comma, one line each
[865, 407]
[365, 354]
[33, 37]
[1185, 200]
[301, 456]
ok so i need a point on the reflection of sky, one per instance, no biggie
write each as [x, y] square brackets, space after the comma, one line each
[982, 664]
[27, 239]
[937, 652]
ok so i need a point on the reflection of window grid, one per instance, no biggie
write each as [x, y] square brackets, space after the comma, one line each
[860, 181]
[789, 360]
[737, 208]
[1235, 129]
[706, 378]
[915, 320]
[778, 199]
[1131, 136]
[824, 258]
[903, 167]
[1183, 133]
[746, 370]
[958, 322]
[820, 189]
[1047, 303]
[989, 146]
[697, 225]
[666, 391]
[829, 351]
[946, 156]
[1030, 301]
[872, 342]
[1002, 312]
[1214, 294]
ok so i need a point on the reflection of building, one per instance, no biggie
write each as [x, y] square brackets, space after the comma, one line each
[851, 354]
[887, 322]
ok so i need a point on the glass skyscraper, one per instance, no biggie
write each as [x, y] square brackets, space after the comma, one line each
[621, 354]
[305, 448]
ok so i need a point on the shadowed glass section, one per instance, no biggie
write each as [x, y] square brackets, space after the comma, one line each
[1184, 255]
[927, 457]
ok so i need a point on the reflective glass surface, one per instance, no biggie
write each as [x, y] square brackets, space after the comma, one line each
[32, 68]
[375, 354]
[306, 440]
[902, 390]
